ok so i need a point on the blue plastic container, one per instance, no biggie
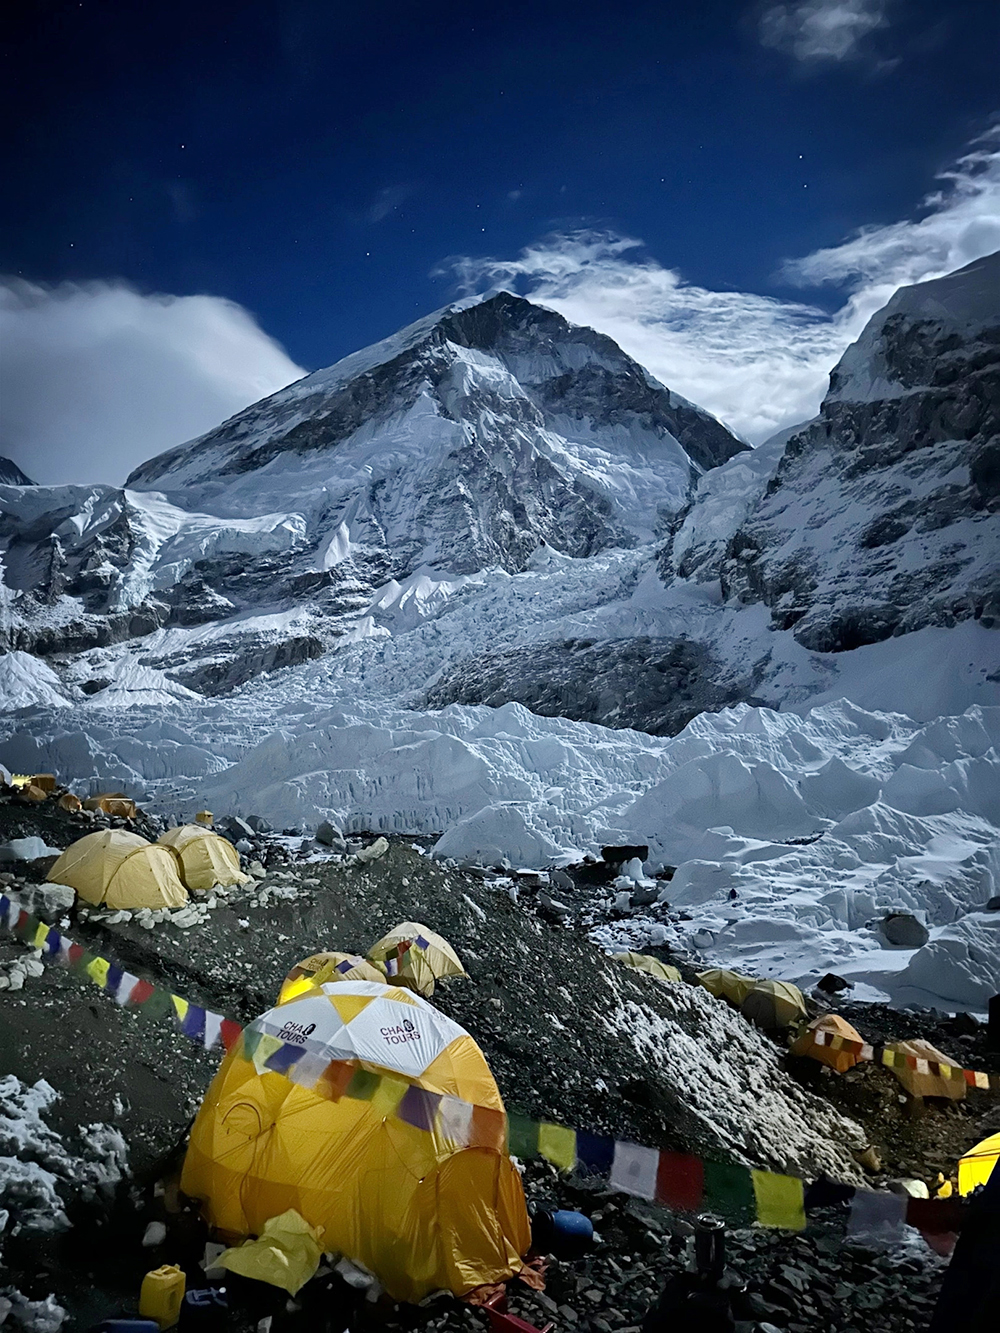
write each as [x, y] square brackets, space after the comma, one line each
[126, 1325]
[562, 1232]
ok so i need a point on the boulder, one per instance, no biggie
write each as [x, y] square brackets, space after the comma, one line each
[329, 835]
[903, 930]
[258, 824]
[617, 855]
[377, 849]
[234, 828]
[560, 880]
[832, 984]
[994, 904]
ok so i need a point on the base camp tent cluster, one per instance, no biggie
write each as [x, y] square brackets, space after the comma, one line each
[117, 869]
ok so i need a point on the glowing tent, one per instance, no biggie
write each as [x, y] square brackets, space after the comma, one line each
[118, 869]
[416, 957]
[774, 1004]
[834, 1026]
[726, 985]
[321, 967]
[976, 1167]
[207, 861]
[920, 1082]
[644, 962]
[386, 1129]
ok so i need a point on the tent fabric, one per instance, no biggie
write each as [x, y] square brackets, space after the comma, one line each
[321, 967]
[118, 869]
[207, 861]
[841, 1060]
[976, 1167]
[414, 956]
[774, 1004]
[390, 1181]
[286, 1255]
[726, 985]
[920, 1083]
[644, 962]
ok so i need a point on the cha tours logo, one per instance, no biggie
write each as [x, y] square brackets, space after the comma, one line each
[297, 1033]
[400, 1032]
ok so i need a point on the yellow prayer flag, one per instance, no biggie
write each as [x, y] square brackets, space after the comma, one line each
[41, 935]
[181, 1007]
[558, 1145]
[266, 1047]
[97, 970]
[388, 1095]
[780, 1200]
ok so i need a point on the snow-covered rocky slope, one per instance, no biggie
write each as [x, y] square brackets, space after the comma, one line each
[403, 577]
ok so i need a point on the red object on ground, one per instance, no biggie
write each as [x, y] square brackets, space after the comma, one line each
[502, 1322]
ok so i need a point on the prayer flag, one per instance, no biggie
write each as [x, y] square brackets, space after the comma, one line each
[193, 1023]
[213, 1026]
[680, 1181]
[125, 987]
[780, 1200]
[557, 1144]
[594, 1153]
[488, 1128]
[362, 1085]
[633, 1170]
[419, 1107]
[141, 992]
[41, 936]
[285, 1054]
[97, 970]
[456, 1120]
[180, 1007]
[230, 1032]
[522, 1136]
[265, 1047]
[729, 1191]
[877, 1215]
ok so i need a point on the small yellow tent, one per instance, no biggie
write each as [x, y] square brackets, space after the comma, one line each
[922, 1083]
[407, 1174]
[118, 869]
[834, 1026]
[321, 967]
[977, 1165]
[644, 962]
[727, 985]
[416, 957]
[207, 861]
[774, 1004]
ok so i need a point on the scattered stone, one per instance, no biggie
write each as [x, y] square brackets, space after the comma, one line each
[368, 854]
[258, 824]
[244, 846]
[330, 836]
[234, 827]
[833, 984]
[560, 880]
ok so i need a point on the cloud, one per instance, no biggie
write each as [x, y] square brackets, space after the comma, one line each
[95, 378]
[757, 362]
[387, 201]
[822, 29]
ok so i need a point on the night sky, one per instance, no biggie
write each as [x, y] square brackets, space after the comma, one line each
[317, 162]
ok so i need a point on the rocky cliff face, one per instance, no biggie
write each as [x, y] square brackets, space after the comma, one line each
[883, 516]
[11, 474]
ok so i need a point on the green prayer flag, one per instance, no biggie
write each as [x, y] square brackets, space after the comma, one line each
[363, 1085]
[522, 1136]
[729, 1191]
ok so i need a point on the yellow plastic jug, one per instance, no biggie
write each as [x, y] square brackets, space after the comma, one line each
[161, 1295]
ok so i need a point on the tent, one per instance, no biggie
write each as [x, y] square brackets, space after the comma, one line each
[407, 1173]
[774, 1004]
[976, 1167]
[115, 868]
[836, 1026]
[727, 985]
[644, 962]
[416, 957]
[206, 859]
[320, 967]
[922, 1083]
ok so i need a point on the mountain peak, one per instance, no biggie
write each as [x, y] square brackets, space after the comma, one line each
[11, 474]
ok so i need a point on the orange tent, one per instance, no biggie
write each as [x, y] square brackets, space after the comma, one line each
[833, 1026]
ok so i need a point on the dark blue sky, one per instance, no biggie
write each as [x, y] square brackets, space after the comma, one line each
[315, 161]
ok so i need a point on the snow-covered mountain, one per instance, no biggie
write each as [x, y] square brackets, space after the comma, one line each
[11, 474]
[464, 442]
[494, 508]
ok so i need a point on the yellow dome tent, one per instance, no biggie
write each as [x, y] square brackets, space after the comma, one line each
[977, 1165]
[406, 1173]
[774, 1004]
[118, 869]
[320, 967]
[207, 861]
[416, 957]
[726, 985]
[644, 962]
[835, 1026]
[922, 1083]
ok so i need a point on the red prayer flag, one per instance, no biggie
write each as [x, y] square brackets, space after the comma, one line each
[140, 992]
[680, 1181]
[230, 1033]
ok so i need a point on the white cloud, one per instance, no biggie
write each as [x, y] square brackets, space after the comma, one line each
[758, 363]
[96, 378]
[822, 29]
